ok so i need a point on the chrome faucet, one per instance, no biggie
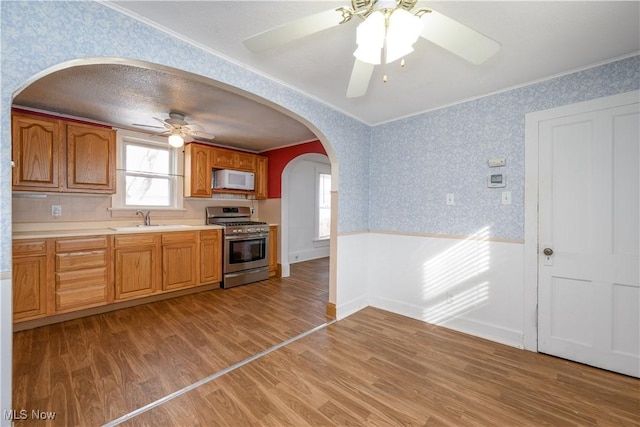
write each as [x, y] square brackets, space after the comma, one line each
[146, 217]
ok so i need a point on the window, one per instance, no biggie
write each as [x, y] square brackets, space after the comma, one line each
[147, 173]
[324, 205]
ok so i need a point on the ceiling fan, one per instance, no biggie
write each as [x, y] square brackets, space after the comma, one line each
[179, 130]
[385, 35]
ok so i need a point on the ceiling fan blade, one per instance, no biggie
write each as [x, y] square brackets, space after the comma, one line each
[293, 30]
[360, 78]
[197, 130]
[458, 38]
[199, 134]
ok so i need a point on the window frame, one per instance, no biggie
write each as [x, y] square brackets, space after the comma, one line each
[175, 175]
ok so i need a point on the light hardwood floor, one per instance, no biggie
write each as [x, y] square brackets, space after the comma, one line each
[372, 368]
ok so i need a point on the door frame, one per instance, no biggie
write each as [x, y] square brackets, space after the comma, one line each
[531, 202]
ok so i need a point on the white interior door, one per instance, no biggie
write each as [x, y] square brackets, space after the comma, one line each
[588, 288]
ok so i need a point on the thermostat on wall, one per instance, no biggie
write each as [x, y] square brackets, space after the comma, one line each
[497, 180]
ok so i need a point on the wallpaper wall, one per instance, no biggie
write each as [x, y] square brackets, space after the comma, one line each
[37, 35]
[415, 162]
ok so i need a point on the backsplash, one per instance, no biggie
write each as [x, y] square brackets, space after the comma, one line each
[36, 208]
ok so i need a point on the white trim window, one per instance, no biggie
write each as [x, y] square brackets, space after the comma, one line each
[323, 207]
[148, 173]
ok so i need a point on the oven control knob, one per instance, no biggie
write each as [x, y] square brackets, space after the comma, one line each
[235, 230]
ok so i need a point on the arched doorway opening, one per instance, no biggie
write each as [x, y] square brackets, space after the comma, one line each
[6, 330]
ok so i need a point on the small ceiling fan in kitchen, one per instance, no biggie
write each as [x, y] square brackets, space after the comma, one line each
[179, 130]
[385, 34]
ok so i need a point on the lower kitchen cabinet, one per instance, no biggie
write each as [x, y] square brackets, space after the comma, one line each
[30, 279]
[136, 272]
[210, 256]
[82, 273]
[273, 250]
[61, 275]
[179, 260]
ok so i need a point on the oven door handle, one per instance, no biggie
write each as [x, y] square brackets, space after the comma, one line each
[246, 236]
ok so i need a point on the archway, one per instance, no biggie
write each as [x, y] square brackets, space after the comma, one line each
[286, 203]
[6, 330]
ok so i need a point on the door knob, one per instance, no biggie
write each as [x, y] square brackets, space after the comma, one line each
[548, 251]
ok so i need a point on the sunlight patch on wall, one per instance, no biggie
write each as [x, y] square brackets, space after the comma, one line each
[457, 304]
[451, 279]
[461, 262]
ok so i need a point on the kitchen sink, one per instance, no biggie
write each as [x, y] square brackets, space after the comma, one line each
[153, 227]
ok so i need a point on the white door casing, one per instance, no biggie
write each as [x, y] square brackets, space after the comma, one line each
[589, 185]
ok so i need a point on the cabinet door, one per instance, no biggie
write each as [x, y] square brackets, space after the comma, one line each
[244, 161]
[273, 250]
[136, 265]
[135, 272]
[178, 260]
[222, 159]
[37, 153]
[198, 171]
[210, 256]
[29, 287]
[261, 178]
[90, 159]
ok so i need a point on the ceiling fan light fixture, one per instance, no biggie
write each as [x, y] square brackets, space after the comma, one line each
[370, 38]
[403, 30]
[176, 140]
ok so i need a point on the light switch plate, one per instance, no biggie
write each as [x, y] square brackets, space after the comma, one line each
[506, 197]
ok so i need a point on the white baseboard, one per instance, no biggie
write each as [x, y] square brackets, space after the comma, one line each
[308, 254]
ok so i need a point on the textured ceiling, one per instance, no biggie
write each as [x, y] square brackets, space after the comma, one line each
[538, 40]
[130, 97]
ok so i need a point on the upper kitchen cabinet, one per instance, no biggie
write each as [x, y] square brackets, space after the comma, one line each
[91, 160]
[197, 171]
[56, 155]
[261, 178]
[227, 159]
[201, 160]
[37, 152]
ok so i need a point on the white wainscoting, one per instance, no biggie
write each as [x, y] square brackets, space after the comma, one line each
[352, 273]
[473, 285]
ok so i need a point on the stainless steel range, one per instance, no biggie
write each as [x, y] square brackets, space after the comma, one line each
[245, 253]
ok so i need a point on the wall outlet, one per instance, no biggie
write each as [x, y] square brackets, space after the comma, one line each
[56, 211]
[450, 199]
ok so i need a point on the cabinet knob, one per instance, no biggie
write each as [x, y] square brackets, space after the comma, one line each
[548, 251]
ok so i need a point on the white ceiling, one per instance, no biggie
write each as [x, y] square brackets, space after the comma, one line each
[539, 40]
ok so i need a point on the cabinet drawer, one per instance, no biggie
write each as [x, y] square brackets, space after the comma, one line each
[74, 280]
[80, 289]
[180, 237]
[29, 247]
[136, 240]
[81, 244]
[211, 235]
[80, 260]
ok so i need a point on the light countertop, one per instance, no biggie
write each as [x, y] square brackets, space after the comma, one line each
[37, 233]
